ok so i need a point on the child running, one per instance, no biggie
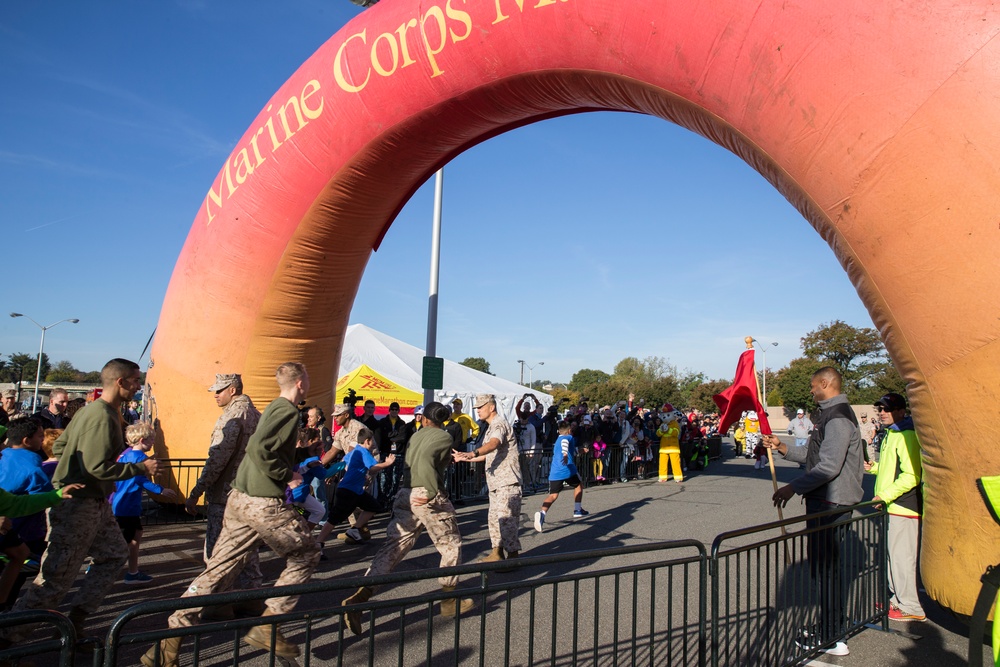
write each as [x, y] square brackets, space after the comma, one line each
[351, 493]
[126, 503]
[563, 470]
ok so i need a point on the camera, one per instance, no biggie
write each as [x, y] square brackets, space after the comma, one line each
[351, 397]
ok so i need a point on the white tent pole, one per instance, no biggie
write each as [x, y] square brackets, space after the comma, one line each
[432, 299]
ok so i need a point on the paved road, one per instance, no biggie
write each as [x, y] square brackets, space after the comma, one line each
[729, 495]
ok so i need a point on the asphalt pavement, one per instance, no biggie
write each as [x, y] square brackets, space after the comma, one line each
[729, 495]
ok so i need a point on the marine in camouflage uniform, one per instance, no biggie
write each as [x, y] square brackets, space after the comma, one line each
[421, 504]
[232, 431]
[83, 525]
[503, 478]
[256, 511]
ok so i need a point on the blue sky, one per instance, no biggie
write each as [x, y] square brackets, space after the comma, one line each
[614, 235]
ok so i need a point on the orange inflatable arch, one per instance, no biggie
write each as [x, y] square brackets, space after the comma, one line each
[878, 121]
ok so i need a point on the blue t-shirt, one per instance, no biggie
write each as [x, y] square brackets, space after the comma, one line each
[558, 471]
[358, 463]
[127, 499]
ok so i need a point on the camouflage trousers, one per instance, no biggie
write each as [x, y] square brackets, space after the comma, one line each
[247, 521]
[437, 517]
[504, 518]
[78, 527]
[250, 576]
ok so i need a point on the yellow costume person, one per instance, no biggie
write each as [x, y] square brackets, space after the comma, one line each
[670, 446]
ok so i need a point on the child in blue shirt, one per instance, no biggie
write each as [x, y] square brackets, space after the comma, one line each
[308, 450]
[563, 471]
[126, 502]
[351, 494]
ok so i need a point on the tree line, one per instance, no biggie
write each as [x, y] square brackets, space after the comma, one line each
[22, 367]
[857, 352]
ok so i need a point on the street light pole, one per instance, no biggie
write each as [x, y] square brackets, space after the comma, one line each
[41, 348]
[521, 381]
[763, 352]
[530, 369]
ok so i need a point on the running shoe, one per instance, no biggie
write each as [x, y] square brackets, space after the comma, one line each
[580, 513]
[139, 577]
[897, 614]
[539, 521]
[354, 534]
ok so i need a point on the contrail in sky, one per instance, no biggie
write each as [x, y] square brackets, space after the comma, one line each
[49, 224]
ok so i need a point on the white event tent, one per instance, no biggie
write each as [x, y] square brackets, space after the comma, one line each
[403, 363]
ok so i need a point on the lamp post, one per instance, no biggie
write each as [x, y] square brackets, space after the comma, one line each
[531, 368]
[763, 352]
[41, 347]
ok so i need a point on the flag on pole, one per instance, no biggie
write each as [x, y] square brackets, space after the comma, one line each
[744, 394]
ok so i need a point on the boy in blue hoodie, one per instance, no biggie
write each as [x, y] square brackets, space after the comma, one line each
[126, 503]
[21, 474]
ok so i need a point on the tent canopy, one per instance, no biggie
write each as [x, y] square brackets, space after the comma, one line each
[371, 385]
[401, 364]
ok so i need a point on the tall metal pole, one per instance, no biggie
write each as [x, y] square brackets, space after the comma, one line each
[521, 380]
[38, 372]
[432, 299]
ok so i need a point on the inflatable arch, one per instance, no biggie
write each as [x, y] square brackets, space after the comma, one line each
[880, 122]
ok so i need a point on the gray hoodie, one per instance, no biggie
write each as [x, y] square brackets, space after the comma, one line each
[833, 456]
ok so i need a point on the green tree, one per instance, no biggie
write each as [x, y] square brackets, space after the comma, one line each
[585, 377]
[63, 371]
[792, 382]
[701, 396]
[477, 363]
[857, 352]
[94, 378]
[27, 363]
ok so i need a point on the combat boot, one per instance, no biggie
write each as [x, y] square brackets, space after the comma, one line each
[509, 556]
[363, 594]
[494, 556]
[167, 657]
[260, 637]
[449, 606]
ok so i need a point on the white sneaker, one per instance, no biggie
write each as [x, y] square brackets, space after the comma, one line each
[539, 521]
[840, 648]
[354, 534]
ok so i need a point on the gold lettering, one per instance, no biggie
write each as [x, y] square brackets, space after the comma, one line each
[256, 151]
[308, 91]
[404, 49]
[543, 3]
[294, 103]
[503, 17]
[438, 16]
[338, 72]
[270, 130]
[229, 180]
[462, 17]
[393, 49]
[244, 168]
[215, 197]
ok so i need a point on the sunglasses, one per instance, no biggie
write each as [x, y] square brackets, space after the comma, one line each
[882, 409]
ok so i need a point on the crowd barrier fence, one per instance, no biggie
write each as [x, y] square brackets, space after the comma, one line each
[743, 602]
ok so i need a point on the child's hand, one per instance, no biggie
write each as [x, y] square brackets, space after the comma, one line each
[390, 459]
[170, 494]
[296, 481]
[67, 491]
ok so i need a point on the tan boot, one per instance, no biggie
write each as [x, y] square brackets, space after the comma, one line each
[449, 606]
[509, 556]
[167, 657]
[363, 594]
[260, 637]
[494, 556]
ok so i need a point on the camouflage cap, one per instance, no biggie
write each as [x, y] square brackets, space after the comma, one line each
[483, 399]
[223, 380]
[340, 408]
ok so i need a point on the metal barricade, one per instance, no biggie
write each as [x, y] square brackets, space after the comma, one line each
[180, 474]
[43, 623]
[626, 605]
[773, 597]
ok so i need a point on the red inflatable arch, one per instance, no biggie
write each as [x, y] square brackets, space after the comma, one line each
[878, 121]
